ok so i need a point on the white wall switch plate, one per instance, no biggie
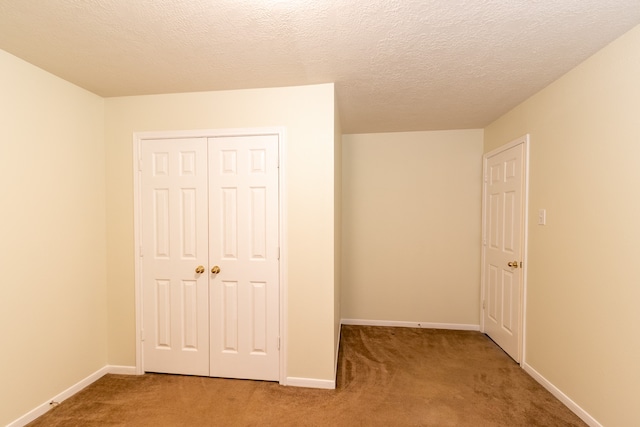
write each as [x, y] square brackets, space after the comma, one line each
[542, 217]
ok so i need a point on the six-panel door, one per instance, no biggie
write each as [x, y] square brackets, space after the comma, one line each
[243, 242]
[503, 248]
[211, 202]
[174, 243]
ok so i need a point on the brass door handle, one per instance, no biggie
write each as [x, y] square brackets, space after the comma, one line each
[513, 264]
[199, 269]
[215, 269]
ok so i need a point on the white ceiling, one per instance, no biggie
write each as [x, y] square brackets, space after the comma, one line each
[398, 65]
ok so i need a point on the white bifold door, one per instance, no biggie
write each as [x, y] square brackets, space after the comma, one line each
[210, 256]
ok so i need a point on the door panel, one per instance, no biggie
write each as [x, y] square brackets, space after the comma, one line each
[244, 244]
[504, 213]
[229, 317]
[174, 237]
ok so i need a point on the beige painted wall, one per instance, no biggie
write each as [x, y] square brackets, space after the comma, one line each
[307, 112]
[411, 226]
[53, 318]
[583, 281]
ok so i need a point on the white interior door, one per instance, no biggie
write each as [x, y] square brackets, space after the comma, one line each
[503, 247]
[174, 237]
[243, 243]
[210, 256]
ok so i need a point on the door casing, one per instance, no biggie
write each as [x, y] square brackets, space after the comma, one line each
[525, 222]
[138, 137]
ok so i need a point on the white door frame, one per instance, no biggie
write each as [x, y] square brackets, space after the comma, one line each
[138, 137]
[524, 140]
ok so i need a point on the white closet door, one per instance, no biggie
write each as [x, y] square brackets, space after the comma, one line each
[174, 244]
[243, 244]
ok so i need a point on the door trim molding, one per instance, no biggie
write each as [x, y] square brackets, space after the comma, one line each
[524, 140]
[138, 137]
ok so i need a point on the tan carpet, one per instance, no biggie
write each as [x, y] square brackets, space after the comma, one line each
[386, 377]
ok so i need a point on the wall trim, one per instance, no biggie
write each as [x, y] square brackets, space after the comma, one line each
[121, 370]
[335, 369]
[311, 383]
[284, 253]
[306, 382]
[573, 406]
[60, 397]
[403, 324]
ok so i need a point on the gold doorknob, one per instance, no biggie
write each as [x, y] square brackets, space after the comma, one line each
[200, 269]
[513, 264]
[215, 269]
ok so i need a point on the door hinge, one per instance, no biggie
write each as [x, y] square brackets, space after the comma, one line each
[484, 305]
[278, 343]
[278, 253]
[140, 252]
[140, 165]
[141, 334]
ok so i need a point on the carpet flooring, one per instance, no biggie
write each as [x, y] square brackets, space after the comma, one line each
[386, 377]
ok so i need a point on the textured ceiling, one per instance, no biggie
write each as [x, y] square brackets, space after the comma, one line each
[398, 65]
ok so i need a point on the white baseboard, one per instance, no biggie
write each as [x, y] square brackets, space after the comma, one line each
[121, 370]
[327, 384]
[573, 406]
[307, 382]
[311, 383]
[401, 324]
[44, 407]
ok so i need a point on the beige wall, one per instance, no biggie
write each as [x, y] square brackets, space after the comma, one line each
[583, 281]
[308, 114]
[53, 319]
[411, 226]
